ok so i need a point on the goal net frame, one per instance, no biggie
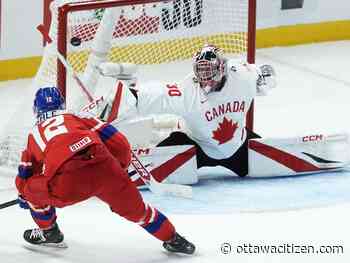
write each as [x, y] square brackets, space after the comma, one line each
[229, 24]
[62, 29]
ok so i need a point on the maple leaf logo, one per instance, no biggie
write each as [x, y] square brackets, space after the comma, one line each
[225, 131]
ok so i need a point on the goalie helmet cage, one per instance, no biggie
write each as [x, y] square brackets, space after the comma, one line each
[150, 33]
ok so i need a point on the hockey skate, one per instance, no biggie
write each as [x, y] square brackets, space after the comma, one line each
[178, 244]
[52, 237]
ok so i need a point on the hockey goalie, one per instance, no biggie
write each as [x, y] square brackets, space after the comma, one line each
[211, 104]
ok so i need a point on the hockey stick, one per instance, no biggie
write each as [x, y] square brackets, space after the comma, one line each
[156, 187]
[9, 203]
[75, 76]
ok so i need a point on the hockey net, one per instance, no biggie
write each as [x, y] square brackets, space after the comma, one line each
[159, 36]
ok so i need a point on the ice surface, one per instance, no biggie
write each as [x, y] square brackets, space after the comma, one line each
[312, 96]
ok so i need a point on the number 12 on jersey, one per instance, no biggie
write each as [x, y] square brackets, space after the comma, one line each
[53, 127]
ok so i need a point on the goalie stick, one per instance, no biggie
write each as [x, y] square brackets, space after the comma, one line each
[184, 191]
[156, 187]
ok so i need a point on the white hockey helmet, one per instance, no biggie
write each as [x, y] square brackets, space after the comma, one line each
[209, 67]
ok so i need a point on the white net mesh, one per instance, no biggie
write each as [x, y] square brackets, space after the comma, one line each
[160, 37]
[163, 32]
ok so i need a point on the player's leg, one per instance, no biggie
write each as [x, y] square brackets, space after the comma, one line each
[121, 195]
[43, 214]
[48, 231]
[124, 199]
[76, 180]
[78, 171]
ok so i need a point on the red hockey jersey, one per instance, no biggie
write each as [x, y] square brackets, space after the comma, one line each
[58, 138]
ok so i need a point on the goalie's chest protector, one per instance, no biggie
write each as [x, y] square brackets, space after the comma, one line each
[218, 121]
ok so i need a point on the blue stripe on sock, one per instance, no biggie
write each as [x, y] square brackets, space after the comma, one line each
[46, 216]
[107, 132]
[156, 225]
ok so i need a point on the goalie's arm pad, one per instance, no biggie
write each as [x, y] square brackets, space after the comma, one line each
[116, 70]
[118, 104]
[121, 103]
[125, 72]
[157, 97]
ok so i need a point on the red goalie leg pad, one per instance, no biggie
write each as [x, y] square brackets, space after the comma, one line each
[44, 217]
[157, 224]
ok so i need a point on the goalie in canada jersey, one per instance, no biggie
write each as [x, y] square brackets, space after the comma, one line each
[213, 103]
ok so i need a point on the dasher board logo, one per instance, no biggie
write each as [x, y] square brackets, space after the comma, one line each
[292, 4]
[139, 19]
[80, 144]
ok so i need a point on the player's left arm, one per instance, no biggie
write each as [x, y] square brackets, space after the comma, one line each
[27, 169]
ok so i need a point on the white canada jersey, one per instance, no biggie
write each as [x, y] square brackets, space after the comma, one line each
[217, 120]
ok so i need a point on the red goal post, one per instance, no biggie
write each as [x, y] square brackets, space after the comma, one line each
[237, 35]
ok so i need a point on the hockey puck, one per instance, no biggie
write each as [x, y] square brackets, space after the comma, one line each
[75, 41]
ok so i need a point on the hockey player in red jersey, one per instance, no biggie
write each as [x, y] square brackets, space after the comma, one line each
[71, 158]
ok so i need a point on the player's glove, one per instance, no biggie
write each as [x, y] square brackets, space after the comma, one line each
[25, 171]
[22, 202]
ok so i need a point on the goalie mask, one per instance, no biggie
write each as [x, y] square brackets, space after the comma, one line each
[209, 68]
[47, 101]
